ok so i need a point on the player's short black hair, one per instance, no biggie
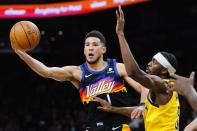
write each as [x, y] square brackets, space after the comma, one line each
[98, 34]
[171, 58]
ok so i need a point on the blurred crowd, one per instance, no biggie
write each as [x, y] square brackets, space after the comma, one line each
[40, 110]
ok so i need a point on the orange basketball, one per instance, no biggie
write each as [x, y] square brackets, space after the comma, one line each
[24, 35]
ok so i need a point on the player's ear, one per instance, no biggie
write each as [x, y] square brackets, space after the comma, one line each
[164, 71]
[104, 49]
[84, 50]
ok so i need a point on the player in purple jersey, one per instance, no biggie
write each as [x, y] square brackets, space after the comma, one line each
[96, 77]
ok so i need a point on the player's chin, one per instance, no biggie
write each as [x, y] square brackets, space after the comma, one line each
[148, 71]
[91, 61]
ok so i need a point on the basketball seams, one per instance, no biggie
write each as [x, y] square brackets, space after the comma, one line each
[25, 34]
[18, 43]
[37, 33]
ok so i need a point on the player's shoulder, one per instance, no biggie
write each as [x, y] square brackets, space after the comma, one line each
[158, 80]
[76, 68]
[121, 69]
[72, 68]
[120, 65]
[155, 78]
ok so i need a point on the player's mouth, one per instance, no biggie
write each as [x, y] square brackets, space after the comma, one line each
[90, 54]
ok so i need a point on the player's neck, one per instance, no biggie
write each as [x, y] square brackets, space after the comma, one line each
[99, 65]
[164, 76]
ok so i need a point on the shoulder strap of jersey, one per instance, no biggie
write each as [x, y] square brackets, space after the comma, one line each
[112, 63]
[84, 68]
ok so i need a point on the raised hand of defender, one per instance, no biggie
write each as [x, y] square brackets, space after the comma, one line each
[120, 21]
[181, 84]
[105, 106]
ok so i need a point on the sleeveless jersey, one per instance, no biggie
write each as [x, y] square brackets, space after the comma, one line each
[108, 85]
[162, 117]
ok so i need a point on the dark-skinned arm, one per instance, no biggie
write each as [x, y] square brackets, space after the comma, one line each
[132, 67]
[185, 86]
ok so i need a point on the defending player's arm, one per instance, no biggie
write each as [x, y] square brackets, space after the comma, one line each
[192, 126]
[137, 86]
[134, 84]
[192, 98]
[131, 65]
[59, 74]
[105, 106]
[185, 86]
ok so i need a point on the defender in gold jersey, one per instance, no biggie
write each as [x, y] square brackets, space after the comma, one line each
[162, 117]
[161, 107]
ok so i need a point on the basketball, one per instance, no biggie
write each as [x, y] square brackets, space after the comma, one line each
[24, 35]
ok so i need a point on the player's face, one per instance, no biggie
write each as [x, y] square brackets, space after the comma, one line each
[93, 49]
[154, 67]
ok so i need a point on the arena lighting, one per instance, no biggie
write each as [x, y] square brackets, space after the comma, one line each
[60, 32]
[42, 32]
[60, 9]
[52, 38]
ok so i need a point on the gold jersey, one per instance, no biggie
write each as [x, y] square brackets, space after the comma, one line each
[162, 117]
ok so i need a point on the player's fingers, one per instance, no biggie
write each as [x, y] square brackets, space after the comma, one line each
[13, 47]
[133, 114]
[117, 14]
[119, 8]
[175, 76]
[138, 114]
[100, 108]
[97, 99]
[121, 12]
[192, 75]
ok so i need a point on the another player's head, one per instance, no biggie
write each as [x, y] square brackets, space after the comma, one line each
[94, 47]
[162, 64]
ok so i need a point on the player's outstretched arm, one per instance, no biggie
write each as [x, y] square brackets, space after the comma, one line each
[134, 84]
[56, 73]
[192, 126]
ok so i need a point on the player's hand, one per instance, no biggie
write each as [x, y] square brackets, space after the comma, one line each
[20, 53]
[105, 106]
[16, 50]
[13, 47]
[182, 84]
[120, 21]
[138, 112]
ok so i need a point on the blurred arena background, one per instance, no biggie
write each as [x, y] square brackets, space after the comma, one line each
[29, 102]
